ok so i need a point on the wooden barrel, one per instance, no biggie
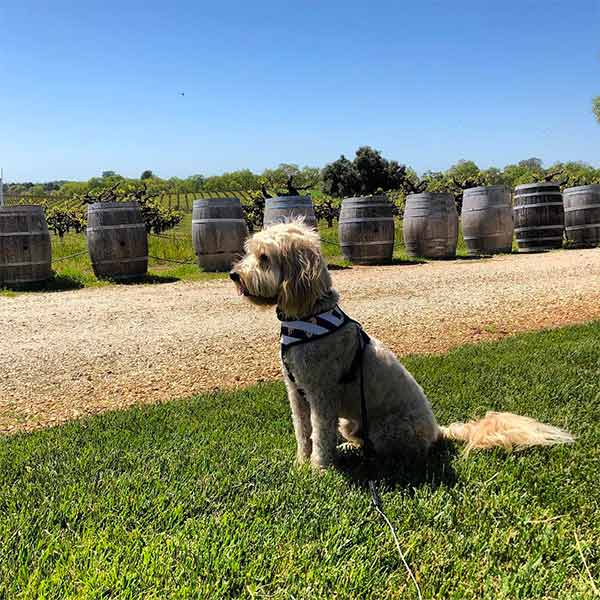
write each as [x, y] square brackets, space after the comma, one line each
[366, 229]
[582, 216]
[430, 225]
[287, 208]
[218, 232]
[117, 240]
[25, 249]
[487, 222]
[538, 217]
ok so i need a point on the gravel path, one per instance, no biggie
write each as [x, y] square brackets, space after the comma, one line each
[68, 354]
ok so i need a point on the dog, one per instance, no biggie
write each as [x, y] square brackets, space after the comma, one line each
[323, 351]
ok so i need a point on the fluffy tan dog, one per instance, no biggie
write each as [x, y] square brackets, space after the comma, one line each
[283, 266]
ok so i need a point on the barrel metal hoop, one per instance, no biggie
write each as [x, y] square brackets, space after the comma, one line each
[538, 194]
[491, 207]
[25, 264]
[589, 206]
[365, 205]
[588, 226]
[200, 221]
[537, 227]
[119, 260]
[539, 239]
[342, 244]
[114, 209]
[484, 237]
[24, 233]
[368, 219]
[521, 206]
[125, 226]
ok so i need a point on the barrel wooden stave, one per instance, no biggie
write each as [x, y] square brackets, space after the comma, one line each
[218, 232]
[430, 225]
[117, 240]
[487, 221]
[538, 217]
[366, 229]
[25, 248]
[284, 209]
[582, 216]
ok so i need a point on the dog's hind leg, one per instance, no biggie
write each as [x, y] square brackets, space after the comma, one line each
[350, 430]
[302, 426]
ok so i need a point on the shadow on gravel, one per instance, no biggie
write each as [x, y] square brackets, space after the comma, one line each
[145, 279]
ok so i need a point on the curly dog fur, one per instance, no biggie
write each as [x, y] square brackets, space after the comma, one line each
[283, 266]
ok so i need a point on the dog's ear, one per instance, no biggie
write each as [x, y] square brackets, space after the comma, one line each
[305, 275]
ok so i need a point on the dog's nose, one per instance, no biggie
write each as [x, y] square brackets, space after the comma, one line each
[234, 276]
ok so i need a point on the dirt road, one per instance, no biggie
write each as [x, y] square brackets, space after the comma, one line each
[68, 354]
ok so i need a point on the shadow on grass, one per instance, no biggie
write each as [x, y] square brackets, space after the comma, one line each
[434, 471]
[58, 283]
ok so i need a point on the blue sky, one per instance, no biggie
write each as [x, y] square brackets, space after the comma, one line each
[90, 86]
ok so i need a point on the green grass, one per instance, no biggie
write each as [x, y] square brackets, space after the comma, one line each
[199, 498]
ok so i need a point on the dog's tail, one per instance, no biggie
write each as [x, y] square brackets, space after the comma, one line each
[506, 430]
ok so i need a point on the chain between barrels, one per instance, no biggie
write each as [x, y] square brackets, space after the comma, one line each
[70, 256]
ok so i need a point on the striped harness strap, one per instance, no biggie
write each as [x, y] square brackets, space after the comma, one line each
[312, 328]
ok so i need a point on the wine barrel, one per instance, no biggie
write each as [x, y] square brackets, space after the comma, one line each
[25, 249]
[218, 232]
[430, 225]
[487, 222]
[117, 240]
[538, 217]
[287, 208]
[366, 229]
[582, 216]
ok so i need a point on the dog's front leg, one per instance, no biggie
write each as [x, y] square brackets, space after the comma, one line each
[301, 419]
[323, 418]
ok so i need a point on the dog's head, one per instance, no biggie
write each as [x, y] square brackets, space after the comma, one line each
[283, 265]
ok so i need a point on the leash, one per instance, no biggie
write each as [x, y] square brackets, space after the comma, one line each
[369, 453]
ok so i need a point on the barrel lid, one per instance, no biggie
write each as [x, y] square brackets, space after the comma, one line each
[486, 188]
[367, 199]
[109, 205]
[594, 187]
[298, 199]
[21, 208]
[429, 196]
[206, 201]
[541, 184]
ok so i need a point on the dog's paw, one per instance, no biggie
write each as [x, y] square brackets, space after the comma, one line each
[301, 460]
[349, 447]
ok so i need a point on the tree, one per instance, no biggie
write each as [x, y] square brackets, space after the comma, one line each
[108, 174]
[534, 164]
[596, 107]
[369, 173]
[340, 178]
[147, 174]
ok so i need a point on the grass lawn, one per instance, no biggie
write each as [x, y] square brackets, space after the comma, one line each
[199, 497]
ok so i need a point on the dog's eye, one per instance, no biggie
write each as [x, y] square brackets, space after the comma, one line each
[265, 261]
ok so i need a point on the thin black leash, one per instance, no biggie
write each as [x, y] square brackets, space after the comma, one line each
[369, 455]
